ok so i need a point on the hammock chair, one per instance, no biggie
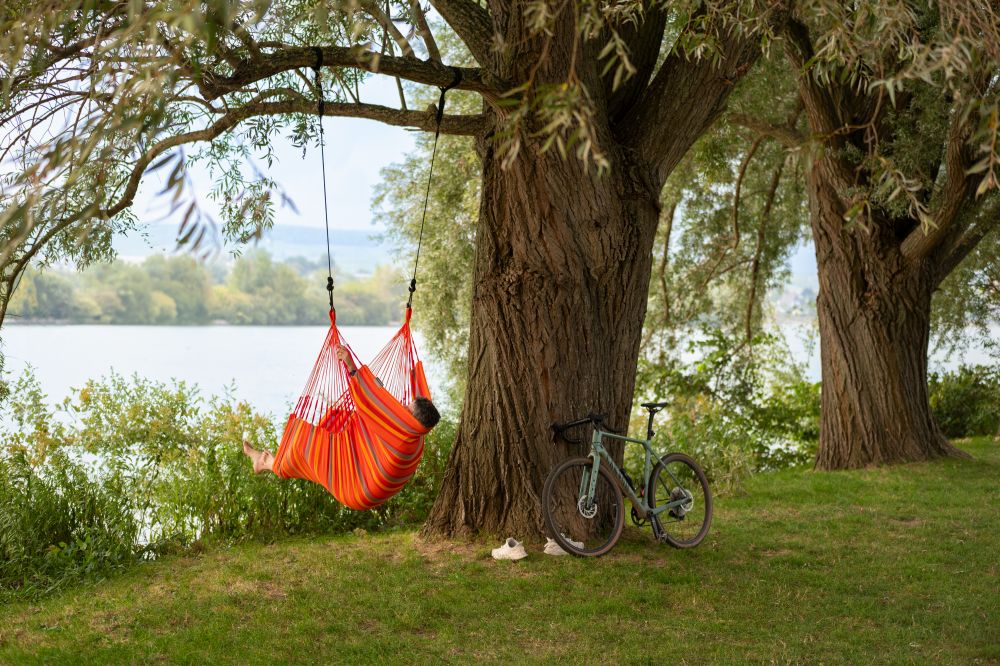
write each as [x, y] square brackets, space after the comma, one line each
[355, 436]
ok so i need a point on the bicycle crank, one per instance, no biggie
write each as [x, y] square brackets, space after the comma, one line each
[638, 520]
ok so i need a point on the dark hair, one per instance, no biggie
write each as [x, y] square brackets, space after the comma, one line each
[425, 412]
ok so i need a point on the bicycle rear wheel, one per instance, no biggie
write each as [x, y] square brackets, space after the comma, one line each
[678, 479]
[583, 529]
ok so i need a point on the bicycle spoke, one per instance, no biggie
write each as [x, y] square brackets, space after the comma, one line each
[590, 525]
[680, 486]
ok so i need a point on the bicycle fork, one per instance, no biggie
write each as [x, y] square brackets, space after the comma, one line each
[588, 485]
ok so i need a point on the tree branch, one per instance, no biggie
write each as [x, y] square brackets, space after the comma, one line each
[786, 135]
[410, 68]
[424, 30]
[817, 99]
[644, 43]
[425, 120]
[373, 10]
[954, 193]
[739, 187]
[987, 221]
[765, 219]
[686, 95]
[471, 23]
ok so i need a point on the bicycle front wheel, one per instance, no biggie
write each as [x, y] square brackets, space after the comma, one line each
[677, 480]
[582, 527]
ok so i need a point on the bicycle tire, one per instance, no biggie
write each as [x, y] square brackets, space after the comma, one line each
[667, 529]
[563, 514]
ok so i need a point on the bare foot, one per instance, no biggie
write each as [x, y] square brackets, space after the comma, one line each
[262, 460]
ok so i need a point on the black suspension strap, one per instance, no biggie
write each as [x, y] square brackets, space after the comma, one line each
[321, 108]
[457, 73]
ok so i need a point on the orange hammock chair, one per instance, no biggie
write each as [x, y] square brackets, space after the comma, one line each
[354, 435]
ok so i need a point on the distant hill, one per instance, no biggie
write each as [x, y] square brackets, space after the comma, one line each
[355, 250]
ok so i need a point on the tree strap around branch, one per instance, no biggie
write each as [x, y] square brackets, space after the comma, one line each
[457, 73]
[320, 111]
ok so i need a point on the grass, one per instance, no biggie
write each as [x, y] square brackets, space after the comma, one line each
[895, 565]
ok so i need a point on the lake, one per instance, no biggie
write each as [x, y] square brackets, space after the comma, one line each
[267, 365]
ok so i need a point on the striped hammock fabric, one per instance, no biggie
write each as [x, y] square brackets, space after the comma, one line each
[355, 436]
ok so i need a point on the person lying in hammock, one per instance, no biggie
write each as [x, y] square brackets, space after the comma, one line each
[297, 457]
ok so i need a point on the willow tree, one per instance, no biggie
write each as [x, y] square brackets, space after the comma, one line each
[900, 104]
[585, 110]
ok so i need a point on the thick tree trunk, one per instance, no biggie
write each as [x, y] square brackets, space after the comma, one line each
[562, 273]
[874, 322]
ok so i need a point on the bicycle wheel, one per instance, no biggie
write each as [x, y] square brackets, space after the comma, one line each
[677, 477]
[583, 530]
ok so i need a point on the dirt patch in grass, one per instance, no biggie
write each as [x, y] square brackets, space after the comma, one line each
[111, 626]
[266, 589]
[780, 552]
[911, 521]
[439, 550]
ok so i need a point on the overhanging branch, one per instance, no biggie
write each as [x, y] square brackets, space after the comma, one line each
[288, 58]
[425, 120]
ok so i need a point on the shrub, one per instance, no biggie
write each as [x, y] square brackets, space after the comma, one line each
[127, 468]
[58, 525]
[966, 402]
[737, 409]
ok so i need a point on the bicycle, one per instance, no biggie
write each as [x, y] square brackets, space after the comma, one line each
[584, 507]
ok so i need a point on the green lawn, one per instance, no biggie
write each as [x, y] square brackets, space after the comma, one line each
[898, 565]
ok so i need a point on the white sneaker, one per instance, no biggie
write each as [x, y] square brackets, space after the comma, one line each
[552, 546]
[510, 550]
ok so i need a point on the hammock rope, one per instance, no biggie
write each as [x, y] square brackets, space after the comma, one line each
[320, 112]
[439, 116]
[353, 433]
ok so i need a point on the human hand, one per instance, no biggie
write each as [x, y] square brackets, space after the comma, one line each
[345, 355]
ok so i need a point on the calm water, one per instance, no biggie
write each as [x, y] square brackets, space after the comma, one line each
[267, 365]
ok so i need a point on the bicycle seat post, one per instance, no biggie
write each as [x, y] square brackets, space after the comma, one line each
[653, 408]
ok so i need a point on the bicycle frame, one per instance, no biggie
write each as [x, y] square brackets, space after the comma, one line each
[598, 452]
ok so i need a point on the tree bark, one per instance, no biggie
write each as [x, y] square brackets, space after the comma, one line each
[874, 321]
[562, 274]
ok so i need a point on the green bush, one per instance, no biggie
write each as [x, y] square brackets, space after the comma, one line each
[128, 468]
[57, 524]
[738, 409]
[966, 402]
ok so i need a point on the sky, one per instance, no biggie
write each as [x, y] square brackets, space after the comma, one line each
[356, 150]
